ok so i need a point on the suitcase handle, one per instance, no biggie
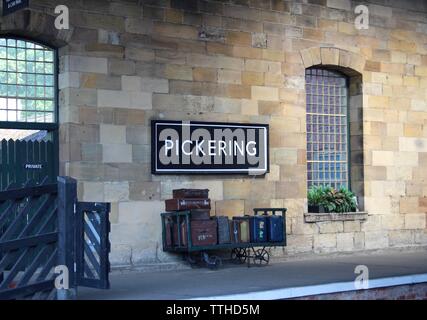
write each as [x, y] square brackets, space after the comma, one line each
[273, 211]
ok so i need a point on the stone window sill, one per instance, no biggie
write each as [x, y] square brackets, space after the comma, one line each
[348, 216]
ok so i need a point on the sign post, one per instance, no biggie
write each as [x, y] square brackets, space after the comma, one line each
[10, 6]
[184, 147]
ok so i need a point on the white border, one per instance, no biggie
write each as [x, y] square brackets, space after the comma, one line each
[212, 125]
[338, 287]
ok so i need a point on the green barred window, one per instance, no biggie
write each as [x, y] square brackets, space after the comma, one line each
[327, 128]
[27, 82]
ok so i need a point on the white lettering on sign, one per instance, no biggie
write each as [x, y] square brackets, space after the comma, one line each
[33, 166]
[190, 147]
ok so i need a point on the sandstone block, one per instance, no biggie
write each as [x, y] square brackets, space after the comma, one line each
[155, 85]
[265, 93]
[175, 31]
[415, 221]
[93, 191]
[259, 40]
[252, 78]
[331, 227]
[230, 208]
[131, 83]
[249, 107]
[401, 238]
[144, 190]
[324, 241]
[85, 64]
[116, 191]
[345, 241]
[382, 158]
[329, 56]
[229, 76]
[376, 240]
[300, 243]
[116, 153]
[69, 80]
[178, 72]
[352, 226]
[112, 134]
[205, 74]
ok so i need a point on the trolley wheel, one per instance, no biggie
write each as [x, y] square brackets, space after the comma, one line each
[191, 260]
[214, 262]
[262, 257]
[238, 255]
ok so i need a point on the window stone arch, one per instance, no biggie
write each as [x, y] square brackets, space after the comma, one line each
[35, 25]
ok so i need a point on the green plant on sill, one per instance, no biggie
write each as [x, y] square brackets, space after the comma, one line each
[332, 200]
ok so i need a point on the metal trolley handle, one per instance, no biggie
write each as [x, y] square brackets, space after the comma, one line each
[265, 211]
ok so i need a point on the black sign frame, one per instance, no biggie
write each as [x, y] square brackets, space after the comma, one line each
[10, 6]
[175, 170]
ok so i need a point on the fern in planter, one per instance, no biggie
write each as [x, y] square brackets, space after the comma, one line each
[328, 199]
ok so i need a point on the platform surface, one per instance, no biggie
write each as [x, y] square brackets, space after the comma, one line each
[242, 282]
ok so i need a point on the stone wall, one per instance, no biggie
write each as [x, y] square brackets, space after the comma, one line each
[124, 63]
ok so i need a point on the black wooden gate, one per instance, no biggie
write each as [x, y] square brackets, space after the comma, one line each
[21, 161]
[44, 226]
[28, 241]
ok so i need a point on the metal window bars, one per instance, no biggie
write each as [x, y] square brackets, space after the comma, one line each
[27, 82]
[327, 128]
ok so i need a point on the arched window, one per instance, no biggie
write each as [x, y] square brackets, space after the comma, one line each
[27, 82]
[29, 144]
[327, 95]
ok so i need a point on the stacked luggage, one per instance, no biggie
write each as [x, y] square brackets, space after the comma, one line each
[203, 227]
[262, 227]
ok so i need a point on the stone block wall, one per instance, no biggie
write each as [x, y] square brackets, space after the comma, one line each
[124, 63]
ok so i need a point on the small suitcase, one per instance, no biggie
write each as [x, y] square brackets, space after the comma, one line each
[204, 232]
[275, 231]
[169, 231]
[234, 227]
[244, 231]
[224, 234]
[182, 242]
[258, 226]
[200, 214]
[187, 204]
[190, 193]
[241, 229]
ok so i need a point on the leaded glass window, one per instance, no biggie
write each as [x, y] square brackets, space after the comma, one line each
[327, 128]
[27, 82]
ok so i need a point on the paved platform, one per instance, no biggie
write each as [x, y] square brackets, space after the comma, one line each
[279, 280]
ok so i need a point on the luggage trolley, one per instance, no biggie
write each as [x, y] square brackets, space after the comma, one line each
[177, 237]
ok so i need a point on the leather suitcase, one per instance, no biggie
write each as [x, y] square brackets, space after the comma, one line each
[190, 193]
[204, 232]
[258, 228]
[200, 214]
[224, 234]
[187, 204]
